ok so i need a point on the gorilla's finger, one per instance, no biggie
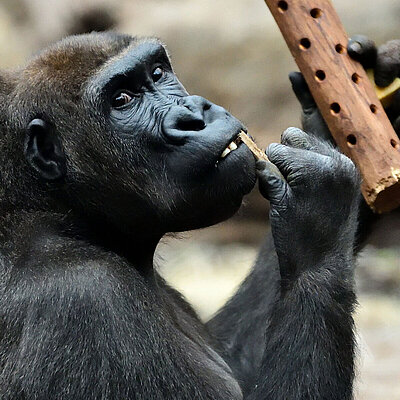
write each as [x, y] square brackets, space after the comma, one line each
[362, 49]
[282, 156]
[387, 66]
[295, 137]
[298, 164]
[271, 183]
[302, 92]
[311, 118]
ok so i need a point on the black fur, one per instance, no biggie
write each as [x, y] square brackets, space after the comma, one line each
[102, 152]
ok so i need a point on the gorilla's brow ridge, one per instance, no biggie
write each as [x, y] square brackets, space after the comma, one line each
[121, 64]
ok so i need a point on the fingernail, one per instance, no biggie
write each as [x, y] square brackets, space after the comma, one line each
[356, 47]
[260, 165]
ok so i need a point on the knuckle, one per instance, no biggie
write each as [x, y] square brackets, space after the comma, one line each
[351, 175]
[335, 153]
[261, 165]
[292, 132]
[298, 139]
[345, 162]
[274, 151]
[306, 166]
[345, 172]
[319, 144]
[328, 169]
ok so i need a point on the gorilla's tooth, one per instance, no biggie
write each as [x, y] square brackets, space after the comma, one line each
[225, 153]
[232, 146]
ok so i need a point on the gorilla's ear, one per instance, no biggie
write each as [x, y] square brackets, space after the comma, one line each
[43, 151]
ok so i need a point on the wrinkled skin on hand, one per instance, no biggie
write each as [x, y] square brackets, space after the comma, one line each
[313, 192]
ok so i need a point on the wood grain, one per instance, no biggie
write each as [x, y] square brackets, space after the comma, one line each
[345, 96]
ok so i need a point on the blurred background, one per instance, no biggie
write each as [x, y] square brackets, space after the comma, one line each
[231, 52]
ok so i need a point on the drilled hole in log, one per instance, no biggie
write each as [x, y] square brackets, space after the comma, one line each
[351, 140]
[320, 75]
[340, 48]
[356, 78]
[373, 108]
[305, 44]
[335, 108]
[283, 6]
[316, 12]
[394, 143]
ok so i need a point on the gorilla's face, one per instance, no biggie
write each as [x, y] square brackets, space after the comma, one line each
[181, 141]
[142, 149]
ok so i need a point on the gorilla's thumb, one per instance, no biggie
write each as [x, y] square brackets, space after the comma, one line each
[272, 184]
[302, 92]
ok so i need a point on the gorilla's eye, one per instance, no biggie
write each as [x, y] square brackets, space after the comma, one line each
[121, 99]
[157, 74]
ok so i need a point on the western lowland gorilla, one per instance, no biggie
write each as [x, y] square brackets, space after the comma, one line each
[102, 152]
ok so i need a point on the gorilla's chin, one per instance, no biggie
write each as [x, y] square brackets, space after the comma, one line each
[212, 204]
[235, 174]
[233, 178]
[203, 217]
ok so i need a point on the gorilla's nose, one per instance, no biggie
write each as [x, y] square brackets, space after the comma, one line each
[191, 115]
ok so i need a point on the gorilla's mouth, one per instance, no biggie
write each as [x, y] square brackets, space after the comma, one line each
[232, 145]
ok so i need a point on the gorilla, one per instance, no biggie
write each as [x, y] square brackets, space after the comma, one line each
[102, 152]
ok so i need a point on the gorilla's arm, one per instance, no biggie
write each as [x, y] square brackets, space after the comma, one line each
[295, 339]
[239, 327]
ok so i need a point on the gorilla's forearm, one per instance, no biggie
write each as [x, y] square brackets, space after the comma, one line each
[239, 327]
[308, 327]
[310, 339]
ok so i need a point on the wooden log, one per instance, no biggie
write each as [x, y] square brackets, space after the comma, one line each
[344, 95]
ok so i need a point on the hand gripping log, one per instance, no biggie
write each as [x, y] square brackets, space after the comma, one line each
[344, 95]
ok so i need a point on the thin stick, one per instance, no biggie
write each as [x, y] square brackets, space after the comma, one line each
[258, 153]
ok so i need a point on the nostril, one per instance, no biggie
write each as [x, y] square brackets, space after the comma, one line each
[179, 123]
[190, 124]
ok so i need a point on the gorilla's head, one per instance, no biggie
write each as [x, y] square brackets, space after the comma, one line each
[99, 125]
